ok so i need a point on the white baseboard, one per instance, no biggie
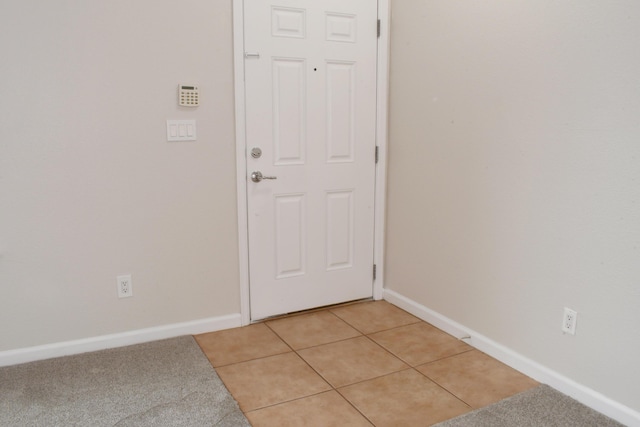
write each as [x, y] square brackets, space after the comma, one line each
[540, 373]
[48, 351]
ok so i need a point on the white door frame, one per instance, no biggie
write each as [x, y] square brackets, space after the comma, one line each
[382, 96]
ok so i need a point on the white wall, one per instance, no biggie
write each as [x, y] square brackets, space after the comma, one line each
[514, 177]
[89, 186]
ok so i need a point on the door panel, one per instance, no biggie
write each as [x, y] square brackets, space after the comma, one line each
[310, 84]
[340, 233]
[290, 235]
[340, 112]
[289, 119]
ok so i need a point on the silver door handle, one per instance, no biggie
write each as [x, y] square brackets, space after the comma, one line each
[257, 176]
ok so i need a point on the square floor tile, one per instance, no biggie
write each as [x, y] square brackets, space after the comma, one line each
[312, 329]
[405, 398]
[240, 344]
[350, 361]
[420, 343]
[476, 378]
[322, 410]
[276, 379]
[375, 316]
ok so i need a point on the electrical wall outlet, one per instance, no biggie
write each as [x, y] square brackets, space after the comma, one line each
[125, 286]
[569, 320]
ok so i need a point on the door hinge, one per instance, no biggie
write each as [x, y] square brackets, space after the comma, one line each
[376, 154]
[374, 272]
[378, 28]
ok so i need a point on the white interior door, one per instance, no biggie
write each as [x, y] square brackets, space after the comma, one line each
[310, 85]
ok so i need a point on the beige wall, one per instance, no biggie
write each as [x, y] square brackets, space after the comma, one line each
[514, 177]
[89, 186]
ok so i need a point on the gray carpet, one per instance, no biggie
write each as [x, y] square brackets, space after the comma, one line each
[541, 406]
[162, 383]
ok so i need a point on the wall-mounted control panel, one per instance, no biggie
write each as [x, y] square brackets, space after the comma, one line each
[188, 95]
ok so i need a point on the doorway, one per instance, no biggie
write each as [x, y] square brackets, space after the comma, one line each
[311, 109]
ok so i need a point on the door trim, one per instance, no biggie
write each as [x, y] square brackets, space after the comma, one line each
[382, 95]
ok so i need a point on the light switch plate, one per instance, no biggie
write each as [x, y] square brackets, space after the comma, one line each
[181, 130]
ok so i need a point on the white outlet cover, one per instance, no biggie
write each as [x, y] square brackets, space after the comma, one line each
[569, 320]
[119, 282]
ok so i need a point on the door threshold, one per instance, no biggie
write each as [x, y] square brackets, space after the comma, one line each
[312, 310]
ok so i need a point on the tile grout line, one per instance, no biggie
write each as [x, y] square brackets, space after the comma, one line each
[446, 357]
[287, 401]
[381, 330]
[443, 387]
[354, 407]
[250, 360]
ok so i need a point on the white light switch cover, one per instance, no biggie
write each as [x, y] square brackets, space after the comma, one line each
[181, 130]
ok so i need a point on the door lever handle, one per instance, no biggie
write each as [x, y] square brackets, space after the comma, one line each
[257, 176]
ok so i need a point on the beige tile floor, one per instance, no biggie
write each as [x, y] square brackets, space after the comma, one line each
[363, 364]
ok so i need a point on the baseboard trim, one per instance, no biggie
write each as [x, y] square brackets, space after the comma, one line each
[540, 373]
[48, 351]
